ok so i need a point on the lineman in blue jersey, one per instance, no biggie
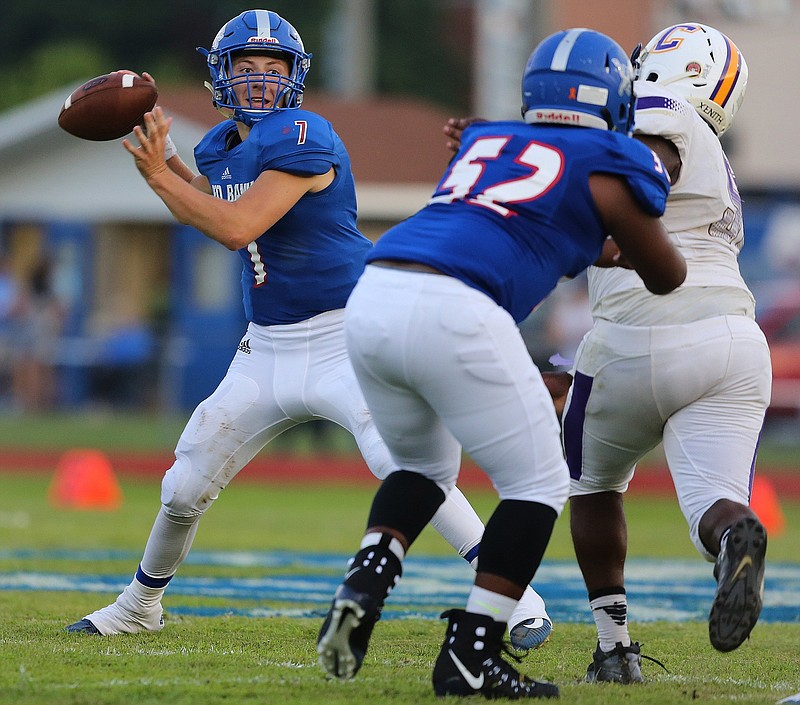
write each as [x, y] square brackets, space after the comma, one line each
[276, 186]
[431, 332]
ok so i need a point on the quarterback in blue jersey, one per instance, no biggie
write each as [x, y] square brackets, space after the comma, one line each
[275, 185]
[307, 261]
[431, 331]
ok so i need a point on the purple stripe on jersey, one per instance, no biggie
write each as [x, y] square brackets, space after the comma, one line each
[753, 465]
[573, 423]
[653, 101]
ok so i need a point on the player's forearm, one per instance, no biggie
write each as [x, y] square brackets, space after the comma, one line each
[558, 384]
[174, 161]
[215, 218]
[179, 167]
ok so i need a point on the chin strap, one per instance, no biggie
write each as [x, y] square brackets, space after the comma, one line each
[227, 113]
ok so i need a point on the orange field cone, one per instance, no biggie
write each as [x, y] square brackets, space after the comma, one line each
[84, 479]
[764, 502]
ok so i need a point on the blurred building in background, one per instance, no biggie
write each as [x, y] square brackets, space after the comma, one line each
[151, 311]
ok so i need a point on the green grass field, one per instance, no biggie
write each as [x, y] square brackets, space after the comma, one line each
[233, 659]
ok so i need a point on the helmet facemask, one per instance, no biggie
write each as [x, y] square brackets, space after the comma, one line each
[288, 90]
[257, 32]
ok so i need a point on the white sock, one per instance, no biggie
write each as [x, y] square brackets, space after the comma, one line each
[492, 604]
[375, 538]
[140, 599]
[136, 609]
[459, 524]
[610, 614]
[168, 544]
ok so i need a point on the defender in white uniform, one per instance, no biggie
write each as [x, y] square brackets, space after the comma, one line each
[691, 369]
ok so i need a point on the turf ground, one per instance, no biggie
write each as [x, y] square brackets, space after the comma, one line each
[244, 611]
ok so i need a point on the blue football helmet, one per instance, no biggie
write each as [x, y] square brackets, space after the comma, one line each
[579, 77]
[256, 32]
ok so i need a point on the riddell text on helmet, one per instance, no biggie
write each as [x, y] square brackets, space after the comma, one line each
[558, 116]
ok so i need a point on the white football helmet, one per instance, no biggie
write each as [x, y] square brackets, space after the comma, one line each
[701, 64]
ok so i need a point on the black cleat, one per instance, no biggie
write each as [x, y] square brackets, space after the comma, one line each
[470, 662]
[84, 626]
[623, 664]
[739, 571]
[344, 637]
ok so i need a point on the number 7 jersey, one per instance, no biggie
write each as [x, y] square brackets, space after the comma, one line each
[513, 213]
[309, 261]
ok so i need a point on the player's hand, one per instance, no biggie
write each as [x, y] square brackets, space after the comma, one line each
[146, 76]
[558, 384]
[149, 155]
[453, 129]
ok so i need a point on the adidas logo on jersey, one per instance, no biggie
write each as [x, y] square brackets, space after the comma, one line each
[226, 174]
[244, 346]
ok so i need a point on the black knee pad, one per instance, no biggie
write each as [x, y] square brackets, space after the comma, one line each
[515, 539]
[405, 501]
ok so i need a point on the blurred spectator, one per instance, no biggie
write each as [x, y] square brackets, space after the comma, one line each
[36, 334]
[782, 240]
[10, 292]
[568, 319]
[122, 374]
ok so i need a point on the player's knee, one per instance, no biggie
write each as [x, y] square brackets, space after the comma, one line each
[186, 494]
[550, 487]
[180, 505]
[376, 455]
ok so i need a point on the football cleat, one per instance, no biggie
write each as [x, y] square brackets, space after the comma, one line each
[470, 662]
[739, 571]
[84, 626]
[123, 616]
[345, 633]
[623, 664]
[531, 633]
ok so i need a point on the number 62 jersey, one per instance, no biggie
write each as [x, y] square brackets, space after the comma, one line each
[513, 213]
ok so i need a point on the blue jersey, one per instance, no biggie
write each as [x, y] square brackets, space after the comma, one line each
[309, 261]
[513, 213]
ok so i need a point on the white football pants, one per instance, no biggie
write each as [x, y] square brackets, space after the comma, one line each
[442, 366]
[703, 388]
[291, 374]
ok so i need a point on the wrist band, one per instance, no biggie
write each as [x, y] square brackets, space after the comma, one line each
[170, 150]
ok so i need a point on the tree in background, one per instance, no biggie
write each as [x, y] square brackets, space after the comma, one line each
[421, 45]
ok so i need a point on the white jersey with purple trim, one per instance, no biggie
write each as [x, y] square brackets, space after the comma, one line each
[703, 216]
[691, 369]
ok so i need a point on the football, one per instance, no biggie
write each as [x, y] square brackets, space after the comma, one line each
[107, 107]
